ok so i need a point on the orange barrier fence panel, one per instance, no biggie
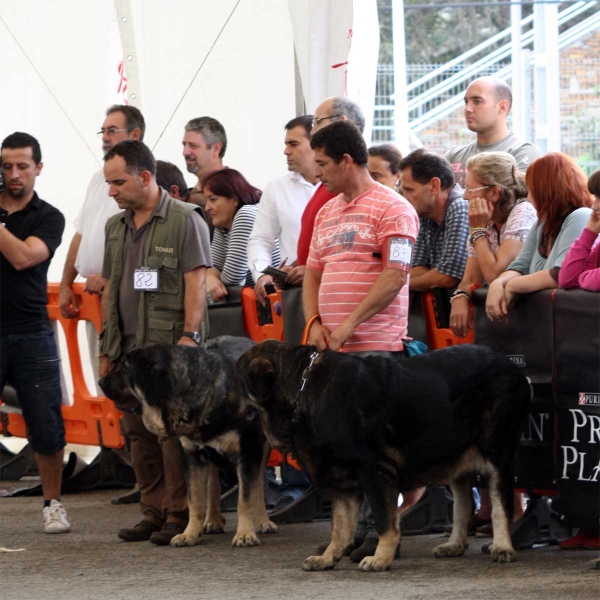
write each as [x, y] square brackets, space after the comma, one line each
[91, 420]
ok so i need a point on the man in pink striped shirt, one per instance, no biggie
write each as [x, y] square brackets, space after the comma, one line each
[359, 260]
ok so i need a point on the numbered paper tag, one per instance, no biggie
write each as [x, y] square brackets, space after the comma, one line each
[400, 251]
[145, 280]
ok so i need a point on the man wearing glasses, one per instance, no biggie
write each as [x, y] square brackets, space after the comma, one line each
[440, 254]
[86, 251]
[336, 108]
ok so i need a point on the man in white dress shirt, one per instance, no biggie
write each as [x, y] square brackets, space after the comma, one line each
[86, 251]
[281, 207]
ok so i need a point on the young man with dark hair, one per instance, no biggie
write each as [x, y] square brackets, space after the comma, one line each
[31, 232]
[165, 244]
[281, 207]
[355, 291]
[170, 178]
[488, 101]
[440, 253]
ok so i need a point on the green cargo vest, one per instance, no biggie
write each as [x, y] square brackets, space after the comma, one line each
[161, 314]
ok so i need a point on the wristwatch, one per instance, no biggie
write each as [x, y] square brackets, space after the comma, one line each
[193, 335]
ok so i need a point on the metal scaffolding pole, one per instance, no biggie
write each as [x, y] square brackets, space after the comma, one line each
[518, 72]
[401, 127]
[546, 78]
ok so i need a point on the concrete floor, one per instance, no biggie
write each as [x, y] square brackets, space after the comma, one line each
[92, 563]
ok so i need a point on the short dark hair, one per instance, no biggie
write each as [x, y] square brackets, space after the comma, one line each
[339, 138]
[345, 106]
[137, 156]
[133, 117]
[18, 140]
[594, 183]
[427, 165]
[211, 130]
[302, 121]
[168, 174]
[231, 184]
[389, 153]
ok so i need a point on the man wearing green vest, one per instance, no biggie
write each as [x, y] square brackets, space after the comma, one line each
[156, 254]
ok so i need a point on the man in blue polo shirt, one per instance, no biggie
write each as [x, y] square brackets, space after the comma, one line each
[30, 234]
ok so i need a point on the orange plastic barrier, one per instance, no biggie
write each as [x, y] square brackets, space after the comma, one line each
[91, 420]
[267, 331]
[441, 337]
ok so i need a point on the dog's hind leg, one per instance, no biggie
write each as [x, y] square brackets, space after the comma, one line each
[196, 471]
[457, 544]
[214, 522]
[345, 511]
[501, 549]
[261, 518]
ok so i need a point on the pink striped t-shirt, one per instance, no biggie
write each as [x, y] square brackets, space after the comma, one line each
[346, 246]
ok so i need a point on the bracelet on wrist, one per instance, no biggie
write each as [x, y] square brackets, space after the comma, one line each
[476, 234]
[459, 294]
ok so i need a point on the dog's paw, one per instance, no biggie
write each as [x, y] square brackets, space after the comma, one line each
[242, 540]
[371, 563]
[266, 527]
[502, 555]
[449, 550]
[217, 526]
[183, 539]
[318, 563]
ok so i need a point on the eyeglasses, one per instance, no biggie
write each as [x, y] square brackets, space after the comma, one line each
[110, 131]
[316, 121]
[471, 190]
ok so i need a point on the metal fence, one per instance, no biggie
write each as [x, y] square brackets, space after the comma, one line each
[580, 108]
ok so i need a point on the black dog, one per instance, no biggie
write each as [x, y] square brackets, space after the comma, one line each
[193, 393]
[383, 426]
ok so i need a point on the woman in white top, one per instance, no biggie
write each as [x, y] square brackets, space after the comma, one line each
[232, 204]
[500, 218]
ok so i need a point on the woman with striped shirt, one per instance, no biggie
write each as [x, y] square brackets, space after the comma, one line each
[232, 203]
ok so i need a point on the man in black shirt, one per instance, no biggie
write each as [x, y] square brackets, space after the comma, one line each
[31, 232]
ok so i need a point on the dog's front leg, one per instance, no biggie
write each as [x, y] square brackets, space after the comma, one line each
[456, 545]
[196, 475]
[215, 522]
[382, 495]
[248, 470]
[345, 510]
[261, 518]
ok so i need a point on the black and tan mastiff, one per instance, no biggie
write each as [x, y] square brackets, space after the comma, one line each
[194, 394]
[379, 426]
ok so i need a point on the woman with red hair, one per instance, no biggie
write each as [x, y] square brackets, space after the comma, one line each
[558, 191]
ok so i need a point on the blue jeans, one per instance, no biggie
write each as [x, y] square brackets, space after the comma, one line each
[29, 362]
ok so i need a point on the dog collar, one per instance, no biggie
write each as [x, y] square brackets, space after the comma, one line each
[305, 373]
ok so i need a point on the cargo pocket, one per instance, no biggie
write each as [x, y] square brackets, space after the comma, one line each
[168, 273]
[161, 331]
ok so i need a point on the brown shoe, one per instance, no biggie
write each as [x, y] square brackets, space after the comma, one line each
[140, 533]
[167, 533]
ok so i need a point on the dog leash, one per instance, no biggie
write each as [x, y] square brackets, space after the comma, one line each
[305, 373]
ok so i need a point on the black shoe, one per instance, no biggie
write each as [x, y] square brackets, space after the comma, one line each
[474, 523]
[355, 544]
[368, 548]
[167, 533]
[139, 533]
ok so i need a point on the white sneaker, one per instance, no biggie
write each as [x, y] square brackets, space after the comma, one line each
[55, 518]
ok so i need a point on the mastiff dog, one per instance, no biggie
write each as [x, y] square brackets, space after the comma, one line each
[379, 426]
[194, 394]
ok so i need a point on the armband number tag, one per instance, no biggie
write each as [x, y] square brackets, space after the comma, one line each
[145, 279]
[400, 251]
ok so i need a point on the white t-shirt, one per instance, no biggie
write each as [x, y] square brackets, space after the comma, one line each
[97, 208]
[279, 214]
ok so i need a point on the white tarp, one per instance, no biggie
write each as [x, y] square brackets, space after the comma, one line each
[337, 48]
